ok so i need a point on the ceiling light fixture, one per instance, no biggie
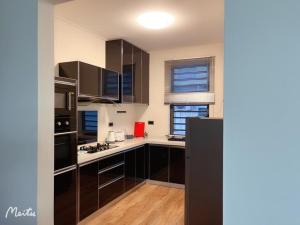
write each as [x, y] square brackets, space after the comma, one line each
[155, 20]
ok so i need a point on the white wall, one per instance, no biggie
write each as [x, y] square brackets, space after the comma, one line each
[73, 42]
[45, 196]
[157, 110]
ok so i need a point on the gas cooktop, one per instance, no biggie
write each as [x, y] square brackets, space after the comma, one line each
[96, 148]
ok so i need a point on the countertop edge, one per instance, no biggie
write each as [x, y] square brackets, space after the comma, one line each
[86, 158]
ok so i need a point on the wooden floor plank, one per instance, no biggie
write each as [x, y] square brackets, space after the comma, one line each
[148, 205]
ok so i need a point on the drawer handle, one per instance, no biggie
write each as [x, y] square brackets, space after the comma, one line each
[110, 182]
[110, 168]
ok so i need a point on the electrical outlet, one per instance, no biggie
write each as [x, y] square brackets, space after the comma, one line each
[121, 111]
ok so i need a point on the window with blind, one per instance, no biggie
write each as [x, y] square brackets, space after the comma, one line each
[190, 78]
[189, 81]
[179, 113]
[90, 121]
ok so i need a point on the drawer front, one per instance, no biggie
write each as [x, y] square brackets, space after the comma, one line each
[111, 192]
[111, 161]
[110, 174]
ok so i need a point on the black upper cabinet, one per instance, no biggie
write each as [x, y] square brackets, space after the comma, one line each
[93, 82]
[137, 71]
[145, 77]
[177, 165]
[89, 79]
[110, 85]
[159, 163]
[133, 64]
[128, 74]
[129, 170]
[114, 56]
[88, 189]
[140, 164]
[65, 198]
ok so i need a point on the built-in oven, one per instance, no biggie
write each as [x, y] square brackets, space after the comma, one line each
[65, 150]
[65, 105]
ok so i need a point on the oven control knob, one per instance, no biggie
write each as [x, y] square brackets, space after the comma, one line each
[58, 123]
[67, 123]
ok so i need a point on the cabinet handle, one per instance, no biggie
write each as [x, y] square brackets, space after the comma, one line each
[64, 170]
[65, 133]
[111, 167]
[70, 100]
[111, 182]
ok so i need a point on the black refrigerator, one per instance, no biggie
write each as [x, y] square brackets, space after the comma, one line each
[204, 172]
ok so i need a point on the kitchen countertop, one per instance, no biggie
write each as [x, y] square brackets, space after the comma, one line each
[127, 144]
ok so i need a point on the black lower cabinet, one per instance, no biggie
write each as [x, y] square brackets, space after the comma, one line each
[177, 165]
[129, 170]
[146, 161]
[111, 191]
[140, 164]
[159, 163]
[65, 210]
[88, 189]
[204, 174]
[110, 175]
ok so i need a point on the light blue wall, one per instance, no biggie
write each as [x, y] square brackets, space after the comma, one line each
[18, 113]
[262, 108]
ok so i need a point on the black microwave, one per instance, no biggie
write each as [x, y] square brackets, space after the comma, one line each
[65, 105]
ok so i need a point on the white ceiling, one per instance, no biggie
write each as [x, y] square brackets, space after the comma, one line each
[196, 21]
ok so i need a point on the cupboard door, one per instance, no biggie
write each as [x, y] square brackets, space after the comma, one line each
[110, 84]
[111, 191]
[140, 164]
[89, 80]
[146, 161]
[137, 72]
[114, 55]
[65, 210]
[88, 189]
[145, 78]
[129, 170]
[128, 76]
[159, 163]
[69, 69]
[177, 165]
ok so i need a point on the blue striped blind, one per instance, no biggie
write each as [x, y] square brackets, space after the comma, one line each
[190, 78]
[90, 121]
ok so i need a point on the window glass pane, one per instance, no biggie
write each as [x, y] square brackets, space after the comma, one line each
[177, 132]
[181, 112]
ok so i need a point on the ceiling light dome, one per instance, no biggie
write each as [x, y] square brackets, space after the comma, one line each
[155, 20]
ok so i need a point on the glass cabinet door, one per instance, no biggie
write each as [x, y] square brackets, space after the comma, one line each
[128, 75]
[110, 84]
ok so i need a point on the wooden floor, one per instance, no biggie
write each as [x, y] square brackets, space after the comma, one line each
[147, 205]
